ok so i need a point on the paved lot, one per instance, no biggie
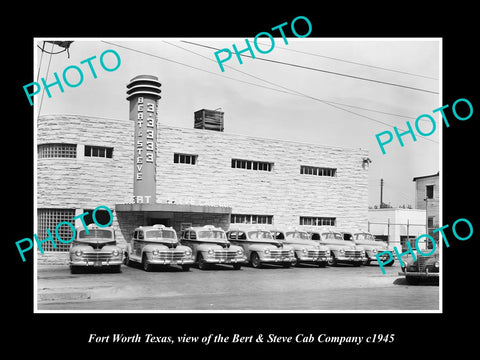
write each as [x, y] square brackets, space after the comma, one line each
[272, 288]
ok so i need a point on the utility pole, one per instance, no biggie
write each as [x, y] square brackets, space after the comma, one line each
[381, 193]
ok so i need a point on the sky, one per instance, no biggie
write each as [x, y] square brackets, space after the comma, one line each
[271, 100]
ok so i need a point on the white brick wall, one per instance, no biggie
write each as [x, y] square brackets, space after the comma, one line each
[87, 182]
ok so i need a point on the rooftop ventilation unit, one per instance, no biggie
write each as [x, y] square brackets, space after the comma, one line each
[209, 120]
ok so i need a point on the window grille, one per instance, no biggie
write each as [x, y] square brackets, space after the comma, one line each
[50, 218]
[57, 151]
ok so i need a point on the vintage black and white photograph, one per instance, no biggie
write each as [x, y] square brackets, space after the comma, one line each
[269, 174]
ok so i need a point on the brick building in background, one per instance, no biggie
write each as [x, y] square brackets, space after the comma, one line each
[200, 175]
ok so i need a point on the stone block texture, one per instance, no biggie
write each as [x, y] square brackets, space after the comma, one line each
[87, 182]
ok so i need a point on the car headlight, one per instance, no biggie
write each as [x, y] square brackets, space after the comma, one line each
[374, 251]
[155, 252]
[188, 252]
[305, 251]
[115, 253]
[292, 252]
[211, 252]
[342, 251]
[437, 264]
[239, 252]
[267, 251]
[78, 253]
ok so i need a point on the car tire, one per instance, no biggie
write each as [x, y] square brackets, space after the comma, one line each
[297, 261]
[126, 260]
[146, 266]
[75, 269]
[390, 263]
[412, 280]
[237, 266]
[333, 261]
[322, 264]
[202, 264]
[186, 267]
[117, 269]
[255, 260]
[366, 262]
[287, 265]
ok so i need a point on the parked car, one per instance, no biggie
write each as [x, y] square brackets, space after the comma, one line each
[261, 248]
[306, 250]
[340, 251]
[424, 267]
[209, 245]
[95, 247]
[157, 245]
[366, 241]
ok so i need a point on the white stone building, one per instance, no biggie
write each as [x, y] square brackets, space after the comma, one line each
[202, 177]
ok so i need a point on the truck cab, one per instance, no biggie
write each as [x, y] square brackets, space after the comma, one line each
[155, 246]
[95, 247]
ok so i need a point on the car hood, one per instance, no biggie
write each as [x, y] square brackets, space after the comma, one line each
[371, 244]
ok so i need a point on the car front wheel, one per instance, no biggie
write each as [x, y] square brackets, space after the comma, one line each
[255, 259]
[202, 264]
[145, 264]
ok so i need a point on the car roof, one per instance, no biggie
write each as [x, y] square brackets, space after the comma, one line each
[205, 227]
[155, 227]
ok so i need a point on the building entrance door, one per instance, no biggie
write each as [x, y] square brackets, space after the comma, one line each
[161, 221]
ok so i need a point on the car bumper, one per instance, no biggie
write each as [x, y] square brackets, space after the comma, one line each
[278, 259]
[237, 260]
[425, 274]
[351, 259]
[170, 262]
[309, 259]
[91, 263]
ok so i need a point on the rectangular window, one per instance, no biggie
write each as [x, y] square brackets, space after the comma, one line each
[252, 165]
[98, 151]
[49, 218]
[429, 191]
[184, 158]
[57, 151]
[251, 219]
[318, 221]
[319, 171]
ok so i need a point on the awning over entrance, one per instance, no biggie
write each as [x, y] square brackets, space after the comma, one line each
[174, 208]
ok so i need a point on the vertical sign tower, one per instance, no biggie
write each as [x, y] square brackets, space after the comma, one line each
[143, 92]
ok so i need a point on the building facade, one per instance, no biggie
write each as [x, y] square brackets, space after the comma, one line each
[427, 197]
[397, 226]
[201, 176]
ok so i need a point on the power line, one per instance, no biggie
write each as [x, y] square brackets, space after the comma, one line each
[357, 63]
[299, 93]
[324, 71]
[287, 92]
[327, 101]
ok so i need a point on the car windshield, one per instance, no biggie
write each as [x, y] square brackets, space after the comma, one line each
[260, 235]
[212, 234]
[298, 235]
[331, 235]
[163, 234]
[95, 234]
[364, 236]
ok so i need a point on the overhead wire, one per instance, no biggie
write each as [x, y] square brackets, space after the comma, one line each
[289, 91]
[295, 92]
[323, 70]
[356, 63]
